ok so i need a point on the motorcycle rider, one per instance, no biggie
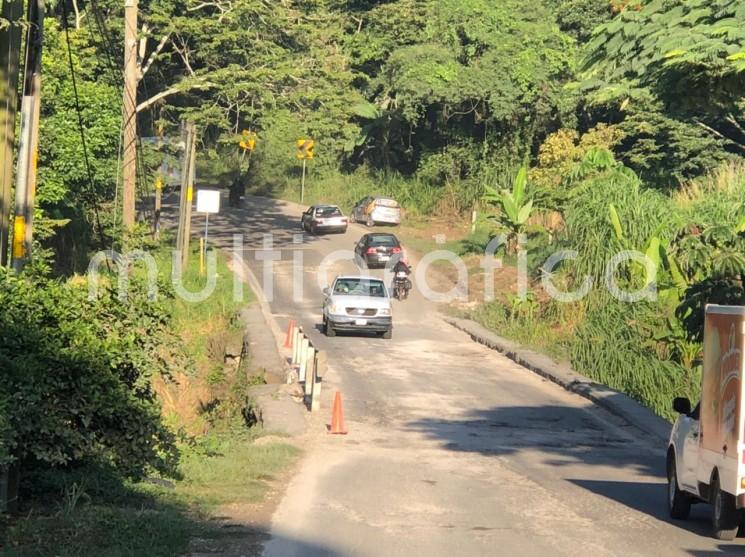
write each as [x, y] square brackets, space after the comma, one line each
[401, 272]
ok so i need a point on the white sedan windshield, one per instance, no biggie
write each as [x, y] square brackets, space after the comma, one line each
[360, 287]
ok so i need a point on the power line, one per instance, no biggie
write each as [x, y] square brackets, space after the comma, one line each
[88, 169]
[142, 177]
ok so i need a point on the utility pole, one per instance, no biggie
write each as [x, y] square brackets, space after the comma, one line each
[183, 236]
[10, 54]
[129, 114]
[29, 140]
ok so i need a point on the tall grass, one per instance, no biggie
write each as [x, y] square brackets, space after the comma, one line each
[610, 348]
[718, 198]
[643, 213]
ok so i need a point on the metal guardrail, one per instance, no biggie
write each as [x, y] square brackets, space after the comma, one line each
[311, 365]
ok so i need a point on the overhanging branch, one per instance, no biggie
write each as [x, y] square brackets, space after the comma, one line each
[171, 91]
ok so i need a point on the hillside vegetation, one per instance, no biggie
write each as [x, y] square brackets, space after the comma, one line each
[594, 126]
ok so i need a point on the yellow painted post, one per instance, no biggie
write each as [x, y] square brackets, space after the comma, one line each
[201, 257]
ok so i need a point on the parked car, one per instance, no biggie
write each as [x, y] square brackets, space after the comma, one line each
[324, 218]
[377, 249]
[357, 304]
[376, 210]
[706, 453]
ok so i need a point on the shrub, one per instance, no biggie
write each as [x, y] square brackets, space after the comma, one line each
[76, 377]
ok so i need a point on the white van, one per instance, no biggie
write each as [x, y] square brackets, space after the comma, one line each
[705, 456]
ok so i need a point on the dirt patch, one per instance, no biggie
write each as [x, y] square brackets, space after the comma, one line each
[442, 276]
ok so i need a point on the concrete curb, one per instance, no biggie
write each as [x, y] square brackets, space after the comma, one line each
[279, 412]
[614, 401]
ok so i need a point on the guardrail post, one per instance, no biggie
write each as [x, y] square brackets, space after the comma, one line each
[304, 347]
[319, 368]
[310, 370]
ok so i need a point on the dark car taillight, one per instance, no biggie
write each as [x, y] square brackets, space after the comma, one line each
[396, 250]
[370, 251]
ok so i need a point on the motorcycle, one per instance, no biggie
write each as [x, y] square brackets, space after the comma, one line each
[401, 286]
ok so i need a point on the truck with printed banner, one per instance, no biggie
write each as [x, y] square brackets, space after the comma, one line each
[706, 452]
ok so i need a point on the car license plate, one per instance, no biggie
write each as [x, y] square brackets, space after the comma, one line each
[360, 321]
[384, 257]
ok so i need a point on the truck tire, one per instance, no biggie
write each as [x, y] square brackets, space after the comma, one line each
[329, 330]
[724, 515]
[388, 335]
[678, 503]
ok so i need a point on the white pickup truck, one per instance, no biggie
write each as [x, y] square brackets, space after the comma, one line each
[706, 452]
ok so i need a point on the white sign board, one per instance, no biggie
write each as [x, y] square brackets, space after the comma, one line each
[208, 201]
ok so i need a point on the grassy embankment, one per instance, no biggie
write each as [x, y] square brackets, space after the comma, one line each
[91, 512]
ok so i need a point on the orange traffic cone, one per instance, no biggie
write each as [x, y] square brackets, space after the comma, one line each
[288, 337]
[337, 417]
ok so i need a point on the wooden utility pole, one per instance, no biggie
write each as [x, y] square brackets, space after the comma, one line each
[29, 139]
[183, 236]
[129, 158]
[10, 55]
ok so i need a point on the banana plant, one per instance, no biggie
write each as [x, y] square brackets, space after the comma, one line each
[515, 207]
[657, 252]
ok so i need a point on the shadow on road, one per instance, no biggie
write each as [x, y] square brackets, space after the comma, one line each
[286, 546]
[723, 549]
[258, 216]
[649, 498]
[566, 435]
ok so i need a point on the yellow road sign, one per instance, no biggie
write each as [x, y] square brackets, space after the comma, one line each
[305, 148]
[248, 141]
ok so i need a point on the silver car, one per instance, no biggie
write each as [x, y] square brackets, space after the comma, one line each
[357, 304]
[372, 210]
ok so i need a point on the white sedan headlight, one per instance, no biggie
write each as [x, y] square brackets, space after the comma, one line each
[384, 311]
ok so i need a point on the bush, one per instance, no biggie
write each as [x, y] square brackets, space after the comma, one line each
[76, 377]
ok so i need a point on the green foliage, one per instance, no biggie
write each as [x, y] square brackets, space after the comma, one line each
[104, 516]
[515, 207]
[610, 347]
[528, 324]
[665, 151]
[76, 376]
[609, 211]
[677, 65]
[66, 197]
[579, 18]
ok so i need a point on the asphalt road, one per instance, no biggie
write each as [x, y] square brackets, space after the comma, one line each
[452, 449]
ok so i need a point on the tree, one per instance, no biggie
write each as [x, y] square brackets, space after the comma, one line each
[690, 54]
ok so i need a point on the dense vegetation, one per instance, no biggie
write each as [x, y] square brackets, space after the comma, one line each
[590, 125]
